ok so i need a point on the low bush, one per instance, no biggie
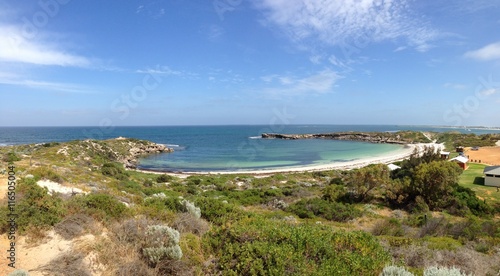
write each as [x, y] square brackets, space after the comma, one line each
[257, 246]
[46, 173]
[310, 208]
[187, 223]
[101, 206]
[115, 170]
[392, 270]
[164, 178]
[218, 212]
[161, 242]
[10, 157]
[73, 226]
[465, 200]
[35, 207]
[388, 227]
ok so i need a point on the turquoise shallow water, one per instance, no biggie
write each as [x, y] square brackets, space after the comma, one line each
[224, 148]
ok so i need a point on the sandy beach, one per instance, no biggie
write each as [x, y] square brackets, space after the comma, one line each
[385, 159]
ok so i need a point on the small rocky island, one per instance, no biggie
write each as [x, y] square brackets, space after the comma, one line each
[400, 137]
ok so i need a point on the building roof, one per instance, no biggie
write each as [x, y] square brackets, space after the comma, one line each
[492, 170]
[393, 167]
[460, 159]
[445, 153]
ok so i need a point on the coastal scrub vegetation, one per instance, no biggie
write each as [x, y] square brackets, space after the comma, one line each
[417, 220]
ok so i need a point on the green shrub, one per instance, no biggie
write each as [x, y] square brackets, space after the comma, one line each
[164, 178]
[258, 246]
[103, 206]
[114, 170]
[148, 183]
[46, 173]
[310, 208]
[10, 157]
[36, 207]
[161, 242]
[218, 212]
[442, 243]
[466, 200]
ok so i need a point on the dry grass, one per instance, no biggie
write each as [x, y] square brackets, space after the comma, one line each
[464, 258]
[187, 223]
[75, 225]
[70, 263]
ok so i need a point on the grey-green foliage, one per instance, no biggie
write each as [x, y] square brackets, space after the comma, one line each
[392, 270]
[191, 208]
[161, 242]
[18, 272]
[443, 271]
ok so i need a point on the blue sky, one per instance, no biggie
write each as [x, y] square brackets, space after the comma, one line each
[179, 62]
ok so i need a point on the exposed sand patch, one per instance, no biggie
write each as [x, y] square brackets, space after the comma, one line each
[31, 258]
[55, 187]
[487, 155]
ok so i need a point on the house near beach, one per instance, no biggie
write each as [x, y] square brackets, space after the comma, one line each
[445, 155]
[492, 176]
[461, 161]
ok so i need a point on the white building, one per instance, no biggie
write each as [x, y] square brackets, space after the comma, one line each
[492, 176]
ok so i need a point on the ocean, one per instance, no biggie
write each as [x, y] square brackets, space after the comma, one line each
[228, 148]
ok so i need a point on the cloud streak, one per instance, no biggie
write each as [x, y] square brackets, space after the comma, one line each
[486, 53]
[321, 82]
[16, 48]
[343, 22]
[43, 85]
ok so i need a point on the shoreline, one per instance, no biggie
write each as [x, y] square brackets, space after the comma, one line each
[354, 164]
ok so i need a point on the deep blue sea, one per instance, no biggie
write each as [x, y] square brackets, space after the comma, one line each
[223, 148]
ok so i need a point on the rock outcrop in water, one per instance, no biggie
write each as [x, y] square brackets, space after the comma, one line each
[141, 148]
[371, 137]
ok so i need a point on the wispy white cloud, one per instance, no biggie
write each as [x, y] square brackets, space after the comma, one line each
[11, 79]
[456, 86]
[319, 83]
[400, 48]
[486, 53]
[489, 92]
[349, 22]
[17, 48]
[160, 70]
[214, 32]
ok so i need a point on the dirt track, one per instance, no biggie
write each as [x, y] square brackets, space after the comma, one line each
[487, 155]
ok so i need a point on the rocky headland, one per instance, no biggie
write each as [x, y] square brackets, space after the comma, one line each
[402, 138]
